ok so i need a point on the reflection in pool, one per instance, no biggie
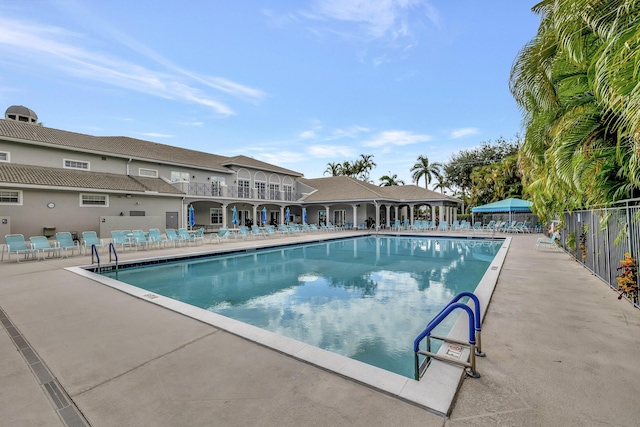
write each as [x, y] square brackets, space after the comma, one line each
[366, 298]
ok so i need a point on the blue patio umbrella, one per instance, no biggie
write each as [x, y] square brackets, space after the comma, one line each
[304, 215]
[192, 216]
[264, 216]
[287, 214]
[234, 215]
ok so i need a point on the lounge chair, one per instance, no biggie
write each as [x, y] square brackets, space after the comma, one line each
[443, 226]
[121, 238]
[89, 239]
[42, 245]
[256, 231]
[270, 230]
[550, 241]
[489, 226]
[283, 229]
[156, 237]
[65, 243]
[222, 234]
[15, 244]
[314, 227]
[185, 236]
[139, 239]
[172, 236]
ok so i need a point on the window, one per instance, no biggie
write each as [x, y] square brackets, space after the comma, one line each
[76, 164]
[274, 190]
[180, 176]
[4, 156]
[216, 216]
[151, 173]
[261, 190]
[243, 188]
[216, 185]
[10, 197]
[90, 200]
[288, 192]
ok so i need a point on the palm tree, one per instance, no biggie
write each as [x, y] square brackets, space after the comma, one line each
[333, 169]
[390, 180]
[423, 168]
[577, 84]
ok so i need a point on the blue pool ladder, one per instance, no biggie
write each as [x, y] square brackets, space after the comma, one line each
[474, 344]
[112, 249]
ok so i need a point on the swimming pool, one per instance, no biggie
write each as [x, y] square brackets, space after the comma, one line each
[366, 298]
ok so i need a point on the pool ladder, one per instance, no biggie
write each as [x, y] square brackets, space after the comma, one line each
[474, 345]
[112, 249]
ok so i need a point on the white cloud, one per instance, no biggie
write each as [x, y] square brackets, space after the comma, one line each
[390, 19]
[156, 135]
[308, 134]
[330, 151]
[56, 49]
[282, 157]
[397, 138]
[461, 133]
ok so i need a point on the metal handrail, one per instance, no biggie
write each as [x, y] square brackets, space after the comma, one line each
[112, 248]
[94, 250]
[474, 336]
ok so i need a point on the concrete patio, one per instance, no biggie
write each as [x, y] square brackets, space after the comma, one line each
[561, 351]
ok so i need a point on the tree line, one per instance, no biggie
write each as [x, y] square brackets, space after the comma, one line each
[478, 176]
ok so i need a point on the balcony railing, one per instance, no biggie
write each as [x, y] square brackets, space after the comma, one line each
[214, 190]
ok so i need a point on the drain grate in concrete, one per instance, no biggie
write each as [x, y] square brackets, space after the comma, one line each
[63, 403]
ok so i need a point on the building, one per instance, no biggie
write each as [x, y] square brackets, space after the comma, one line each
[54, 180]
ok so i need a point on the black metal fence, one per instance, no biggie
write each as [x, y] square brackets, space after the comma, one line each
[599, 239]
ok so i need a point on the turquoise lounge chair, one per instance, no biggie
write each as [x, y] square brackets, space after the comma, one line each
[156, 237]
[172, 236]
[15, 244]
[222, 234]
[256, 231]
[551, 241]
[65, 243]
[121, 238]
[89, 239]
[42, 245]
[139, 239]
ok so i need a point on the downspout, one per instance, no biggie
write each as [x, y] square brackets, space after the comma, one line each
[128, 166]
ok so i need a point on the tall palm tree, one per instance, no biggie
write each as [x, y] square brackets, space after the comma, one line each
[578, 86]
[426, 169]
[390, 180]
[333, 169]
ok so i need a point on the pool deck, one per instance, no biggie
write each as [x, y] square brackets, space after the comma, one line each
[561, 351]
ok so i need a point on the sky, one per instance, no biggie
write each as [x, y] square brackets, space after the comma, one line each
[299, 84]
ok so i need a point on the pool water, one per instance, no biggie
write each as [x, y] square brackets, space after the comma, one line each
[366, 298]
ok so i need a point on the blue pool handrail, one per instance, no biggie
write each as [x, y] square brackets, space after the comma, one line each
[474, 334]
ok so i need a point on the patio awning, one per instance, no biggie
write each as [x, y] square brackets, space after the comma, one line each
[506, 205]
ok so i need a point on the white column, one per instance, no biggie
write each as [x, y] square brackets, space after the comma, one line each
[411, 214]
[355, 215]
[255, 212]
[433, 214]
[441, 209]
[388, 216]
[328, 212]
[224, 216]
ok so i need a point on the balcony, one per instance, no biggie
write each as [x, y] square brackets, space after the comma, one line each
[235, 192]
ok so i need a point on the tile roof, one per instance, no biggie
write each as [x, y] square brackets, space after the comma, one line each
[344, 188]
[129, 147]
[11, 173]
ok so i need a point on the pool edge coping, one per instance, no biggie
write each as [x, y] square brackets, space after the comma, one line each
[435, 392]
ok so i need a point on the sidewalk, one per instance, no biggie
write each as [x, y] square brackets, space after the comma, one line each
[561, 350]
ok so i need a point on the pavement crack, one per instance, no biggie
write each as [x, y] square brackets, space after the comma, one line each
[135, 368]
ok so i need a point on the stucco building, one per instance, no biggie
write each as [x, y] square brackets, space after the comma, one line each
[55, 180]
